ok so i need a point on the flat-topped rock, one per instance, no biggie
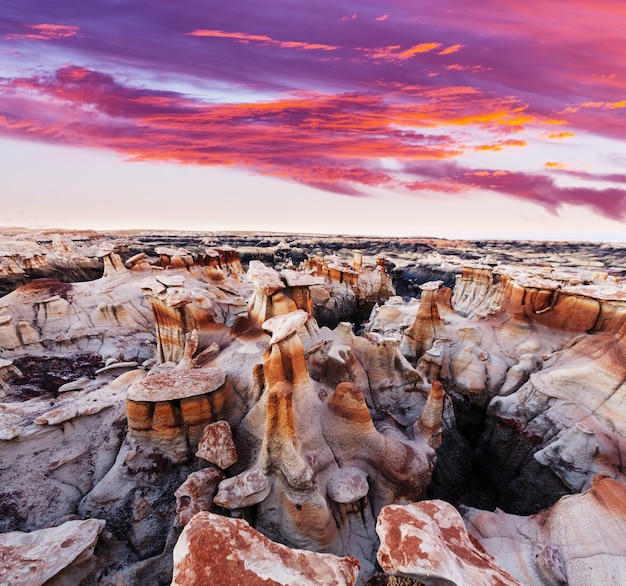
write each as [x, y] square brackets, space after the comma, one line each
[604, 292]
[168, 251]
[283, 326]
[176, 384]
[300, 279]
[431, 285]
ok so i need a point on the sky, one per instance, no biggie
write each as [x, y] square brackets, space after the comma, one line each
[457, 119]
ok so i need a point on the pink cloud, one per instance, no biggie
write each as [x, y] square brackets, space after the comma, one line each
[261, 39]
[532, 187]
[44, 32]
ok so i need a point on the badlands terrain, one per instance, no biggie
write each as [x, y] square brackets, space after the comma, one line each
[275, 409]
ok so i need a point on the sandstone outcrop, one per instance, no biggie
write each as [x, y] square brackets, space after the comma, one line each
[429, 542]
[239, 554]
[580, 540]
[59, 555]
[348, 288]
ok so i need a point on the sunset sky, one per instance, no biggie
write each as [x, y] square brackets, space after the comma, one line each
[490, 119]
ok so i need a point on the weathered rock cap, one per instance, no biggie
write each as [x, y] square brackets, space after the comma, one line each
[347, 485]
[604, 292]
[171, 251]
[431, 285]
[282, 326]
[264, 278]
[177, 384]
[300, 279]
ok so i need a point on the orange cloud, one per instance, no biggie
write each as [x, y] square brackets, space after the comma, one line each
[45, 32]
[392, 51]
[559, 135]
[261, 39]
[451, 49]
[497, 147]
[554, 165]
[383, 17]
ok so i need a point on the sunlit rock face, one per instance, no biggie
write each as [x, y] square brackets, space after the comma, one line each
[184, 390]
[545, 350]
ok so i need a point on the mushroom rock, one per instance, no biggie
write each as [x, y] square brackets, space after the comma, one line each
[291, 453]
[427, 325]
[579, 540]
[59, 555]
[285, 357]
[174, 258]
[216, 445]
[269, 297]
[180, 309]
[229, 259]
[138, 262]
[347, 485]
[280, 449]
[170, 408]
[238, 553]
[428, 541]
[196, 493]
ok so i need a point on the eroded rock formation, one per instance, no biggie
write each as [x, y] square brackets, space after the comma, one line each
[210, 399]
